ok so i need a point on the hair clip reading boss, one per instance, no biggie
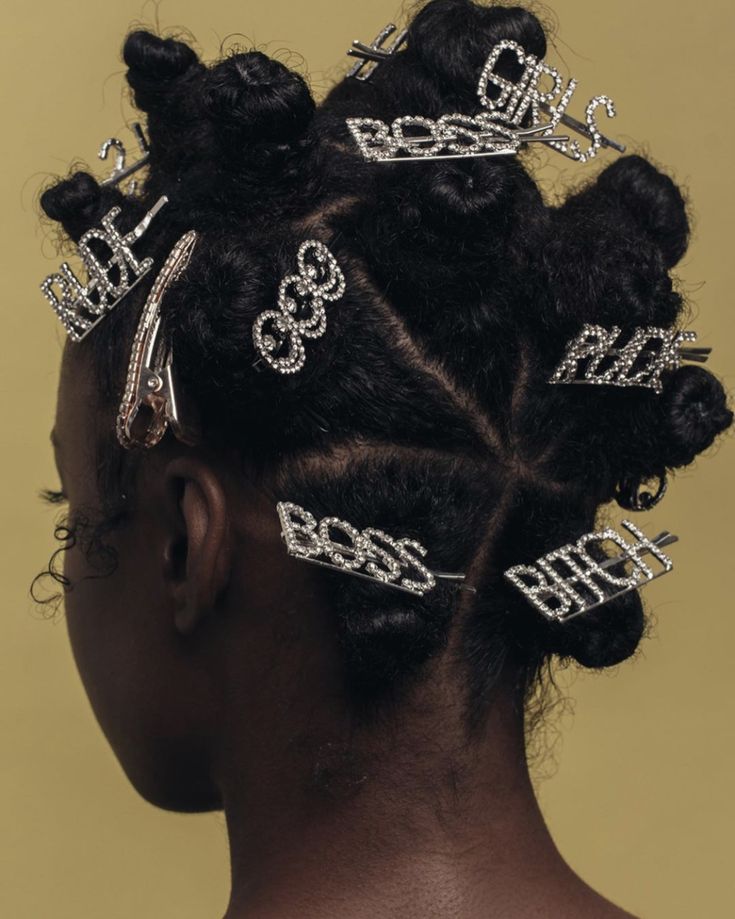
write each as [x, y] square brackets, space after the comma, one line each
[569, 581]
[370, 553]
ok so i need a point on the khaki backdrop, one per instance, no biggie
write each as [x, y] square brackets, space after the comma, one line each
[638, 787]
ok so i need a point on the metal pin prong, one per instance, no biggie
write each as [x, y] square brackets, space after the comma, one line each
[581, 128]
[662, 540]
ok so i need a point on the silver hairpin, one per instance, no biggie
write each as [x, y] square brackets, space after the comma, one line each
[568, 581]
[81, 306]
[121, 170]
[149, 404]
[595, 357]
[371, 553]
[372, 55]
[450, 137]
[278, 334]
[520, 98]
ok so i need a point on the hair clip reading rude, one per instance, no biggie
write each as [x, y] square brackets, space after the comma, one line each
[81, 306]
[149, 403]
[592, 357]
[374, 54]
[370, 554]
[514, 99]
[568, 582]
[278, 334]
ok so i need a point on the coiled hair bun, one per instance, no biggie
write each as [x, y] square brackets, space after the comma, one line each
[451, 39]
[694, 406]
[255, 99]
[652, 200]
[79, 203]
[154, 66]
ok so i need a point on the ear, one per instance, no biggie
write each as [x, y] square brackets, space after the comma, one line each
[198, 555]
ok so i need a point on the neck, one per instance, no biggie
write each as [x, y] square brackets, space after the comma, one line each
[409, 820]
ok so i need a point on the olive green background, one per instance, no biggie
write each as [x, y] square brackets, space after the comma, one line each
[637, 780]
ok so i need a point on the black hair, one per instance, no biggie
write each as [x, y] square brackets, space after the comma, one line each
[425, 408]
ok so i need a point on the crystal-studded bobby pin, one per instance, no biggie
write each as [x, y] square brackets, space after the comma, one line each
[149, 403]
[278, 334]
[81, 306]
[370, 553]
[413, 138]
[570, 581]
[595, 356]
[372, 55]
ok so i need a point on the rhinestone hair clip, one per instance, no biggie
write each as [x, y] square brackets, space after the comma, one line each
[595, 356]
[514, 100]
[372, 55]
[81, 306]
[498, 131]
[569, 581]
[278, 334]
[149, 404]
[370, 554]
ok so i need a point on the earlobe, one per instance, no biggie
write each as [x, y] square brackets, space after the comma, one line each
[198, 556]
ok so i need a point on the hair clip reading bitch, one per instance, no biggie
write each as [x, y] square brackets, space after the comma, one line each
[372, 55]
[595, 357]
[278, 334]
[81, 306]
[370, 554]
[569, 581]
[149, 404]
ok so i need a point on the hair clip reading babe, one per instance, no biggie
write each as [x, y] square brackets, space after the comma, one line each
[569, 581]
[595, 357]
[81, 306]
[513, 100]
[375, 53]
[149, 404]
[370, 553]
[278, 334]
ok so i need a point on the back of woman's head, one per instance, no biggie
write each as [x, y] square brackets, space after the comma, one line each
[425, 408]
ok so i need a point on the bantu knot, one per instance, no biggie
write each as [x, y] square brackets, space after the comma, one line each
[251, 97]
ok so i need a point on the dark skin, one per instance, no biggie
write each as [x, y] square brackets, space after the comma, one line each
[212, 669]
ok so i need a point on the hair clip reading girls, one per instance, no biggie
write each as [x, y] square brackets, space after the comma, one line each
[149, 404]
[370, 554]
[569, 581]
[278, 334]
[595, 357]
[81, 306]
[513, 100]
[375, 53]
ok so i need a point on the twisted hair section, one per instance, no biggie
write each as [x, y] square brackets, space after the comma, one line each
[425, 408]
